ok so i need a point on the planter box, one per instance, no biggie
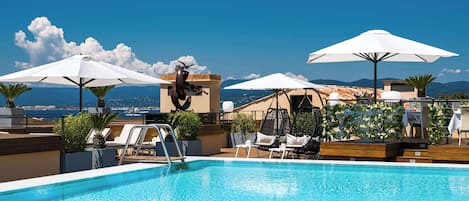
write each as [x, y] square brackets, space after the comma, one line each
[89, 159]
[353, 150]
[188, 148]
[448, 153]
[12, 117]
[77, 161]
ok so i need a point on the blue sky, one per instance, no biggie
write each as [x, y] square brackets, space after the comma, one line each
[236, 39]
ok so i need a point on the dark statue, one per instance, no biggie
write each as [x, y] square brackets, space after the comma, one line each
[181, 87]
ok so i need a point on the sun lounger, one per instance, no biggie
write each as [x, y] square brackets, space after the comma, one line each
[121, 140]
[92, 133]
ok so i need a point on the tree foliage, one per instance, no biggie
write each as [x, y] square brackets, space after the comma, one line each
[420, 82]
[100, 93]
[11, 91]
[100, 121]
[243, 123]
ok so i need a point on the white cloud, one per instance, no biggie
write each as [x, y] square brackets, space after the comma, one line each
[49, 45]
[297, 76]
[450, 71]
[251, 76]
[231, 77]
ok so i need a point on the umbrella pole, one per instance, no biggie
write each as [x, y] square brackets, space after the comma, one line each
[81, 94]
[375, 82]
[276, 112]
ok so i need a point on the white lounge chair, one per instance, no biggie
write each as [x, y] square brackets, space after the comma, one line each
[92, 133]
[121, 140]
[265, 140]
[464, 123]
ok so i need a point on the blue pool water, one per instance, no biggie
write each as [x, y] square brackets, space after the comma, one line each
[225, 180]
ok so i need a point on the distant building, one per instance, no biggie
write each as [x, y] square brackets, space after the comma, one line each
[305, 97]
[407, 91]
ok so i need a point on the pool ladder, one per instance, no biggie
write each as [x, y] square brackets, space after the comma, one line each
[137, 147]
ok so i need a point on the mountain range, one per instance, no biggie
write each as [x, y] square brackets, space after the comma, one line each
[140, 96]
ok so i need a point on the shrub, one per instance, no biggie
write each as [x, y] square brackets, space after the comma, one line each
[437, 124]
[377, 121]
[76, 129]
[186, 124]
[243, 123]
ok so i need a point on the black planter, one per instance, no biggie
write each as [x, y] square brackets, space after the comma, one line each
[188, 148]
[89, 159]
[77, 161]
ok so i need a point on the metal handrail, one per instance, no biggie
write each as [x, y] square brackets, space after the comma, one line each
[141, 137]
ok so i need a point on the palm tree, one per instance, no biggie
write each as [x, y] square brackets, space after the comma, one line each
[99, 121]
[100, 92]
[11, 91]
[420, 82]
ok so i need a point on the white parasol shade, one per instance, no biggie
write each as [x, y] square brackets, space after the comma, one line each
[376, 46]
[275, 81]
[81, 71]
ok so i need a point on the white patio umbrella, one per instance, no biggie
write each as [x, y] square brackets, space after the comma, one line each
[275, 82]
[81, 71]
[376, 46]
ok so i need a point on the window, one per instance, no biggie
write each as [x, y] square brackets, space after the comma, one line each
[401, 87]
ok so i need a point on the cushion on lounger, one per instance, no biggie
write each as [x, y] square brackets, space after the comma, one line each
[264, 139]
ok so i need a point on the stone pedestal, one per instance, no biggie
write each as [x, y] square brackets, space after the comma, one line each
[12, 117]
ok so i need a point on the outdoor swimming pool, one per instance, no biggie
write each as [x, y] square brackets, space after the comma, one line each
[263, 180]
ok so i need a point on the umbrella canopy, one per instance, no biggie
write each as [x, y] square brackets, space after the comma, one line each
[274, 82]
[81, 71]
[376, 46]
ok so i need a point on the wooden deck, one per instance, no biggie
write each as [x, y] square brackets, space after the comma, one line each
[230, 153]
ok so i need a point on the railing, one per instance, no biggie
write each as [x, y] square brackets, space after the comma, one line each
[205, 118]
[227, 117]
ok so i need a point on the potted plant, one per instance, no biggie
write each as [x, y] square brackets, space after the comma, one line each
[186, 125]
[14, 116]
[243, 125]
[100, 93]
[75, 130]
[420, 82]
[99, 122]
